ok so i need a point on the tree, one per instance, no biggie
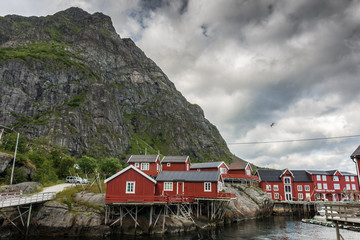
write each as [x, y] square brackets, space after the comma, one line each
[87, 164]
[109, 165]
[9, 143]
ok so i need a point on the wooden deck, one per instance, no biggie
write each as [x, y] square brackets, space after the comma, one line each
[18, 200]
[343, 213]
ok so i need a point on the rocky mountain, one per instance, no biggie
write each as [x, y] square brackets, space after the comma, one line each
[71, 77]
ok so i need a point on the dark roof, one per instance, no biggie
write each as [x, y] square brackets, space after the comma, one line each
[186, 176]
[174, 159]
[301, 176]
[238, 166]
[270, 175]
[274, 175]
[319, 172]
[348, 174]
[356, 153]
[205, 165]
[142, 158]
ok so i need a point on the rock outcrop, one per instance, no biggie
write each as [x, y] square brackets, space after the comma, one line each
[71, 77]
[5, 159]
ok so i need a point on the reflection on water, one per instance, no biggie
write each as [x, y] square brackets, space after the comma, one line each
[270, 228]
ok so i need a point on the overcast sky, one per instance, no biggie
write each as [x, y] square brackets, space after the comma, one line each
[249, 64]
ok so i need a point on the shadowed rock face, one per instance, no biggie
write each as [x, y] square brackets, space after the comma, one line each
[71, 77]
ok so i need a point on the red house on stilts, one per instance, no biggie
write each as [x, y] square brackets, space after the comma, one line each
[175, 163]
[149, 164]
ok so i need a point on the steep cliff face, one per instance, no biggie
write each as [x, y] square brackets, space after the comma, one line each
[71, 77]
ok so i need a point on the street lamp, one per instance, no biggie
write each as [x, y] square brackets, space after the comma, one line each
[16, 146]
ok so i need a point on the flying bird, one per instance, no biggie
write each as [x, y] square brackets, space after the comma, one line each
[272, 124]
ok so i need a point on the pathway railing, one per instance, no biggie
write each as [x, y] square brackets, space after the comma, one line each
[26, 199]
[343, 212]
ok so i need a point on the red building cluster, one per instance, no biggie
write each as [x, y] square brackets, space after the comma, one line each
[173, 179]
[305, 185]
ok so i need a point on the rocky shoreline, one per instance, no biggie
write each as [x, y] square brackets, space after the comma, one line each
[86, 216]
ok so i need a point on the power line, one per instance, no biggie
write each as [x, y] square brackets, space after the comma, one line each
[297, 140]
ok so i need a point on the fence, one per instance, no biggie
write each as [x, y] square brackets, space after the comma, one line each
[25, 199]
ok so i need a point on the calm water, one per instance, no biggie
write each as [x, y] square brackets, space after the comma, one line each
[270, 228]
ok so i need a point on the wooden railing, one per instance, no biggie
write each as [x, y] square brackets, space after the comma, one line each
[344, 212]
[241, 176]
[26, 199]
[6, 195]
[225, 195]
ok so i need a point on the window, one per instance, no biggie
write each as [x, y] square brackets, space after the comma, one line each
[300, 196]
[348, 186]
[157, 167]
[222, 170]
[276, 196]
[168, 164]
[287, 180]
[219, 186]
[268, 187]
[324, 177]
[144, 166]
[336, 186]
[352, 178]
[276, 188]
[168, 186]
[318, 177]
[187, 167]
[325, 186]
[307, 188]
[319, 186]
[130, 187]
[248, 172]
[346, 178]
[353, 187]
[335, 178]
[307, 195]
[137, 165]
[299, 187]
[207, 186]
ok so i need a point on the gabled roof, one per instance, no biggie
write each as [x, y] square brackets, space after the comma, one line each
[286, 170]
[348, 174]
[319, 172]
[142, 158]
[186, 176]
[174, 159]
[207, 165]
[301, 176]
[126, 169]
[356, 153]
[269, 175]
[239, 166]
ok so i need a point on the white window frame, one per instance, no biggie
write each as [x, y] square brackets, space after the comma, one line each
[207, 186]
[145, 166]
[348, 187]
[287, 178]
[223, 170]
[307, 188]
[276, 196]
[187, 167]
[220, 188]
[319, 186]
[137, 165]
[335, 178]
[276, 187]
[352, 178]
[300, 196]
[307, 195]
[248, 172]
[353, 187]
[336, 186]
[346, 178]
[268, 187]
[168, 164]
[299, 187]
[318, 177]
[325, 186]
[324, 177]
[168, 186]
[130, 189]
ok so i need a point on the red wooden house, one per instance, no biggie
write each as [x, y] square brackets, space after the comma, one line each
[286, 185]
[206, 184]
[149, 164]
[210, 166]
[130, 185]
[241, 170]
[355, 156]
[175, 163]
[329, 185]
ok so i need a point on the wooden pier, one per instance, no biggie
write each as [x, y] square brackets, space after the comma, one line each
[346, 214]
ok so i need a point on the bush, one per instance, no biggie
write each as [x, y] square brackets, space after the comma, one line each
[109, 165]
[87, 164]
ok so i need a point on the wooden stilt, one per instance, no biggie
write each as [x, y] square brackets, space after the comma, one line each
[7, 218]
[28, 220]
[21, 218]
[163, 226]
[150, 217]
